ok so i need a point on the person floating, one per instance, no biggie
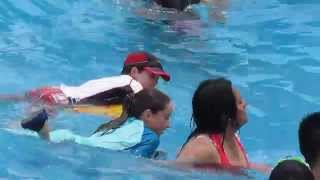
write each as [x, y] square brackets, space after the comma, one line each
[145, 117]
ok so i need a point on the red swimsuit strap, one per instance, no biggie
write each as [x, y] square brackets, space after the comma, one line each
[242, 149]
[217, 140]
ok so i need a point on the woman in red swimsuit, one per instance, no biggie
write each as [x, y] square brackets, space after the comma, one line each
[218, 113]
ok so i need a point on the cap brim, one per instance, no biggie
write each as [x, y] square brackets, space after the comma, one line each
[158, 72]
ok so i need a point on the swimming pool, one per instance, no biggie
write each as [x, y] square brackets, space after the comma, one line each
[270, 50]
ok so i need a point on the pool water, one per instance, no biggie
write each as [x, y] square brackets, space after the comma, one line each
[269, 49]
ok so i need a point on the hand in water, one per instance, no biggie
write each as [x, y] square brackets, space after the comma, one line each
[260, 167]
[159, 155]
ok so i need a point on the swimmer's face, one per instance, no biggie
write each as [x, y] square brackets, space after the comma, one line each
[160, 120]
[241, 108]
[147, 79]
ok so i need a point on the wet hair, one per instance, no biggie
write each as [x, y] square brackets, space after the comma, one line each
[214, 107]
[176, 4]
[291, 170]
[309, 138]
[152, 61]
[135, 105]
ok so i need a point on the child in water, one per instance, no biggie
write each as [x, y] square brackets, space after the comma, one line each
[146, 115]
[141, 70]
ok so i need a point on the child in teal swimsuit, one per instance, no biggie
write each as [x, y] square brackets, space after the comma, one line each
[146, 115]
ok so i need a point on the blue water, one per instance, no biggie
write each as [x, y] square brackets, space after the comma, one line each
[269, 49]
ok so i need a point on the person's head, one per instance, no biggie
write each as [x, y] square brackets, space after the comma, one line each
[291, 170]
[217, 105]
[145, 68]
[153, 107]
[176, 4]
[309, 138]
[149, 105]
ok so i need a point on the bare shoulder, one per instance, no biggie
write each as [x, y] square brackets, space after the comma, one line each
[199, 149]
[202, 141]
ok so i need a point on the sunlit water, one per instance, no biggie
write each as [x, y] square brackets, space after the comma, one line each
[269, 49]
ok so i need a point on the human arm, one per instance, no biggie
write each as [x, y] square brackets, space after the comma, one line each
[260, 167]
[217, 9]
[219, 3]
[205, 1]
[199, 150]
[13, 98]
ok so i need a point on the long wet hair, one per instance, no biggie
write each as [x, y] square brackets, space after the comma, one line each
[214, 107]
[134, 105]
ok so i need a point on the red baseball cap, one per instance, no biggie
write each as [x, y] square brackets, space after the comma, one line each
[149, 63]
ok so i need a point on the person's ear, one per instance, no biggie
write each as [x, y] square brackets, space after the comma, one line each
[146, 114]
[134, 71]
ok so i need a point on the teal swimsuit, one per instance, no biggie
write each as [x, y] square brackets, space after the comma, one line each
[148, 144]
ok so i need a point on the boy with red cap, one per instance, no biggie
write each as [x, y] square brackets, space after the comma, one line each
[141, 70]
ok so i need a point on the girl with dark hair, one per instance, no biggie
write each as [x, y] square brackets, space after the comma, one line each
[218, 113]
[145, 116]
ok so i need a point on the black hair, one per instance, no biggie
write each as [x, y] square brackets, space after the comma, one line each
[291, 170]
[309, 137]
[152, 61]
[134, 105]
[214, 107]
[176, 4]
[152, 99]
